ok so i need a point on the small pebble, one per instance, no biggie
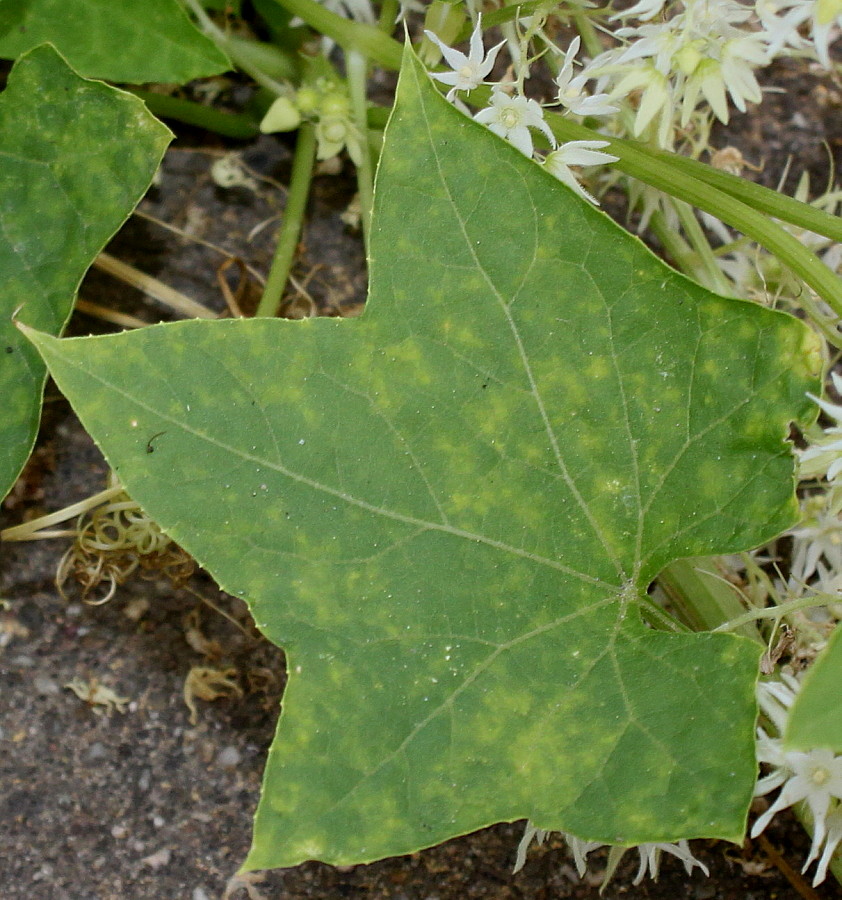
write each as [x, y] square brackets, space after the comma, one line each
[200, 894]
[45, 872]
[229, 758]
[97, 750]
[119, 832]
[158, 860]
[45, 686]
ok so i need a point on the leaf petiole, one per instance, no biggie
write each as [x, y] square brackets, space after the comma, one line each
[299, 188]
[233, 125]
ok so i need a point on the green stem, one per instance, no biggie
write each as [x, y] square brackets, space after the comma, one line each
[269, 59]
[28, 531]
[230, 125]
[388, 15]
[660, 172]
[299, 188]
[780, 206]
[713, 276]
[368, 40]
[235, 51]
[356, 65]
[675, 246]
[777, 612]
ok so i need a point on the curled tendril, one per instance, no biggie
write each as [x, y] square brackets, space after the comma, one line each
[112, 542]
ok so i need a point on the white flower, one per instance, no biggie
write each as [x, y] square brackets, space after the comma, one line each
[576, 153]
[775, 699]
[650, 854]
[727, 64]
[819, 537]
[739, 57]
[469, 71]
[703, 51]
[824, 16]
[825, 457]
[827, 20]
[530, 833]
[570, 89]
[580, 850]
[650, 859]
[782, 31]
[644, 9]
[657, 101]
[832, 841]
[512, 117]
[814, 777]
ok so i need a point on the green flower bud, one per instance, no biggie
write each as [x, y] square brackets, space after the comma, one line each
[282, 115]
[335, 105]
[307, 100]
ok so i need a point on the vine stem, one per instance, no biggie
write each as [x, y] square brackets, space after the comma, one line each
[299, 188]
[368, 40]
[707, 265]
[28, 531]
[661, 172]
[673, 243]
[389, 10]
[777, 612]
[238, 52]
[233, 125]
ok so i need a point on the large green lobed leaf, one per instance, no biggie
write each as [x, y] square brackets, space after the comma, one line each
[448, 510]
[121, 40]
[76, 158]
[815, 720]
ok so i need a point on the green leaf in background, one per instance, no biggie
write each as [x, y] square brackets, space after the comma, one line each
[76, 156]
[448, 511]
[120, 40]
[815, 720]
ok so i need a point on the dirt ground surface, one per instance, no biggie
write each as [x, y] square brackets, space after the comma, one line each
[145, 804]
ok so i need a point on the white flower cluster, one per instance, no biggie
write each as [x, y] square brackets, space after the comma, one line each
[814, 778]
[650, 854]
[513, 116]
[783, 21]
[674, 61]
[703, 52]
[824, 457]
[816, 558]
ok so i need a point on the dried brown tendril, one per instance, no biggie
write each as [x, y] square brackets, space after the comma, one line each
[112, 542]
